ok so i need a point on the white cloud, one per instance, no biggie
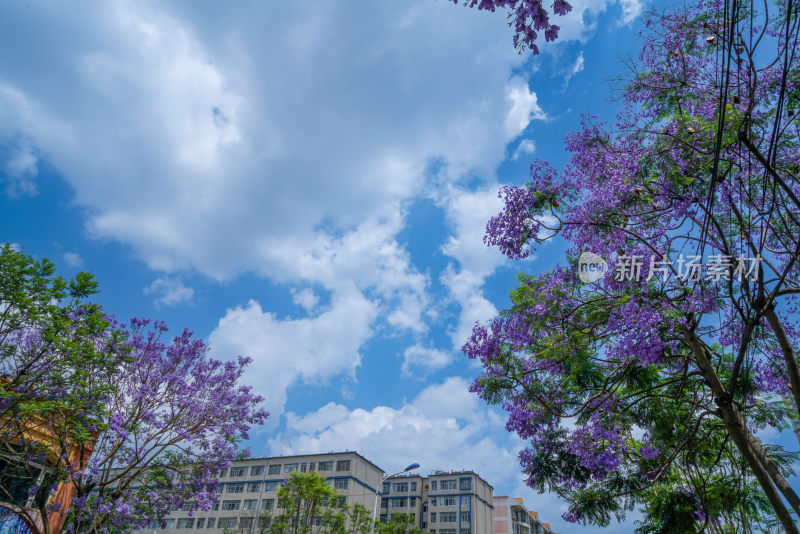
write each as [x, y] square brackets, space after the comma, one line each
[631, 9]
[169, 291]
[367, 256]
[229, 136]
[524, 107]
[466, 288]
[285, 351]
[306, 299]
[20, 171]
[282, 139]
[417, 358]
[73, 260]
[526, 146]
[580, 24]
[444, 427]
[575, 69]
[467, 213]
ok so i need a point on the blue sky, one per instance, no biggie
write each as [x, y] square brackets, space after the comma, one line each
[305, 183]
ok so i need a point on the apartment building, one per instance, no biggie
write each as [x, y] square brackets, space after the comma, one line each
[511, 517]
[249, 488]
[446, 502]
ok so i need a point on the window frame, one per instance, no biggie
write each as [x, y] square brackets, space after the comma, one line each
[239, 486]
[237, 472]
[290, 468]
[231, 505]
[343, 465]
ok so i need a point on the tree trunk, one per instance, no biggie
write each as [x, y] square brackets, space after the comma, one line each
[788, 353]
[740, 435]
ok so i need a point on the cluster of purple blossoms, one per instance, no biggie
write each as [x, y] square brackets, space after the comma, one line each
[529, 18]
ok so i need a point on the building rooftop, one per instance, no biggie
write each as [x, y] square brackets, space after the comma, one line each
[329, 453]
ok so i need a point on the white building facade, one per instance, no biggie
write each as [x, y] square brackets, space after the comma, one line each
[445, 502]
[249, 491]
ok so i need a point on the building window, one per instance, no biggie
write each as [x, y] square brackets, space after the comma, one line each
[211, 522]
[447, 517]
[245, 523]
[465, 483]
[231, 505]
[343, 465]
[274, 469]
[290, 468]
[342, 502]
[201, 522]
[387, 487]
[272, 485]
[169, 523]
[464, 531]
[465, 517]
[223, 472]
[254, 487]
[235, 488]
[326, 466]
[448, 501]
[398, 503]
[447, 531]
[412, 501]
[238, 471]
[188, 506]
[384, 518]
[433, 485]
[448, 484]
[433, 502]
[250, 504]
[340, 483]
[302, 468]
[433, 517]
[227, 522]
[185, 523]
[264, 522]
[256, 470]
[464, 500]
[413, 486]
[400, 487]
[268, 504]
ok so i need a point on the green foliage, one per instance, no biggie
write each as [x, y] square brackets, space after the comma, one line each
[57, 355]
[308, 505]
[399, 524]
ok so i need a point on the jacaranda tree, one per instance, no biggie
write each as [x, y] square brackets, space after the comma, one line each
[58, 355]
[173, 420]
[641, 371]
